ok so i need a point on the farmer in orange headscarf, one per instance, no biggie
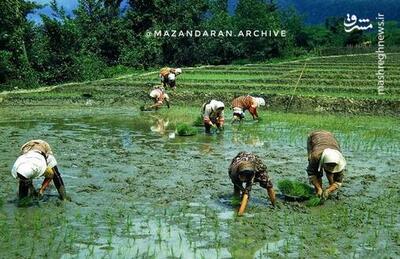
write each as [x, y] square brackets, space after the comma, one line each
[168, 76]
[243, 103]
[324, 156]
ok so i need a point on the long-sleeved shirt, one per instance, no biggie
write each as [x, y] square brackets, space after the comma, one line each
[246, 103]
[212, 116]
[317, 142]
[159, 95]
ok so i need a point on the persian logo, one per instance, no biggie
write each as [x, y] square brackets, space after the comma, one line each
[352, 23]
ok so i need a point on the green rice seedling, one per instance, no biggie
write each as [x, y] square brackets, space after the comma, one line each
[198, 122]
[91, 250]
[295, 189]
[314, 201]
[235, 201]
[184, 129]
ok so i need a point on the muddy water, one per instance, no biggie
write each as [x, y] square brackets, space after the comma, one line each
[138, 190]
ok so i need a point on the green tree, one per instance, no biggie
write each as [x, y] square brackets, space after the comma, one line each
[217, 50]
[15, 64]
[258, 15]
[101, 28]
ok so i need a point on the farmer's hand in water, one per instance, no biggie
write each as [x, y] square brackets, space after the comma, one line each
[67, 198]
[325, 194]
[319, 192]
[40, 195]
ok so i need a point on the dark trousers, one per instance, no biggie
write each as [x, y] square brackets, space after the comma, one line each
[208, 127]
[25, 187]
[168, 82]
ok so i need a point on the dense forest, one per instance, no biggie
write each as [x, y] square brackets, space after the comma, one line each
[101, 39]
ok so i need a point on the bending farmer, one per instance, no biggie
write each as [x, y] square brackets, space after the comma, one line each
[37, 160]
[158, 95]
[168, 76]
[247, 169]
[324, 155]
[213, 115]
[243, 103]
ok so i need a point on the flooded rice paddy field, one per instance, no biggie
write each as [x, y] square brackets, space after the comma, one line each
[138, 190]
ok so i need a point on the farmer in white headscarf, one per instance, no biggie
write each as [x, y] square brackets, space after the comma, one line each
[37, 160]
[324, 156]
[168, 76]
[213, 115]
[243, 103]
[158, 95]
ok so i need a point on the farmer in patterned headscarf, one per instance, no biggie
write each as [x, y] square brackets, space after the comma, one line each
[248, 168]
[168, 76]
[37, 160]
[324, 156]
[243, 103]
[213, 115]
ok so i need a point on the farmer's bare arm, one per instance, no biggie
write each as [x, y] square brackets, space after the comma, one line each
[317, 182]
[271, 195]
[333, 185]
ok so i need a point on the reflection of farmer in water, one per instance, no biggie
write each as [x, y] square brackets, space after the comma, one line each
[158, 95]
[247, 168]
[35, 161]
[324, 155]
[243, 103]
[213, 115]
[160, 125]
[168, 76]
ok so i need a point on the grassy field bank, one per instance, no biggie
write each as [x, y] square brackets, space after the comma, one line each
[345, 84]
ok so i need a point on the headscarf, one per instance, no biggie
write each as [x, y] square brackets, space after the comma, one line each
[237, 110]
[245, 166]
[215, 105]
[171, 77]
[332, 156]
[246, 169]
[260, 101]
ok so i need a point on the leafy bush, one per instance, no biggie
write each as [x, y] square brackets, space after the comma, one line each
[87, 67]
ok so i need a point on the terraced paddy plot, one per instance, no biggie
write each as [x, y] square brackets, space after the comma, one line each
[138, 192]
[346, 84]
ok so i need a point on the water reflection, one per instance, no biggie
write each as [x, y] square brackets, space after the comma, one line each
[159, 125]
